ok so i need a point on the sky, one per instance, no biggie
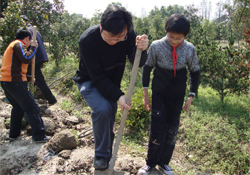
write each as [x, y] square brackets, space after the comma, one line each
[88, 7]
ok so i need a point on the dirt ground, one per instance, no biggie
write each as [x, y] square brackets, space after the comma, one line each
[24, 157]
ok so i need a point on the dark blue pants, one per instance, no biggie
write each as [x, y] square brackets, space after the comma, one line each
[103, 118]
[165, 119]
[22, 101]
[41, 84]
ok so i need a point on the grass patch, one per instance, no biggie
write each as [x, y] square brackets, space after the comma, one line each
[217, 134]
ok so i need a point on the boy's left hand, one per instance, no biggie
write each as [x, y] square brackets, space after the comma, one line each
[35, 44]
[187, 104]
[142, 42]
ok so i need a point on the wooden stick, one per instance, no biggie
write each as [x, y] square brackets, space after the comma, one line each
[125, 111]
[33, 62]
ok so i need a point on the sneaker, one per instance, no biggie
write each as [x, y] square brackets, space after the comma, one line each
[44, 140]
[144, 170]
[166, 169]
[100, 163]
[10, 139]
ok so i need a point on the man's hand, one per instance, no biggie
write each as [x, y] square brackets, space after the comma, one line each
[146, 101]
[188, 104]
[142, 42]
[35, 44]
[42, 65]
[123, 104]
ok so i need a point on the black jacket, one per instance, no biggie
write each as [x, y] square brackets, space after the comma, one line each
[104, 64]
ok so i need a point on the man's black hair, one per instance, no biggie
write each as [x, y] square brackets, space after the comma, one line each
[177, 23]
[22, 33]
[115, 18]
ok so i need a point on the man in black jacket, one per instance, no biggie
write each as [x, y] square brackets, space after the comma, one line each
[104, 49]
[41, 58]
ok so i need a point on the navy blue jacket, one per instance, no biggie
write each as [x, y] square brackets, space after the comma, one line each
[41, 54]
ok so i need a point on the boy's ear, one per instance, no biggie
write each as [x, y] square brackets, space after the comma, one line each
[27, 38]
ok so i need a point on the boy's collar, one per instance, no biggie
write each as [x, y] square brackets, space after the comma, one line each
[22, 41]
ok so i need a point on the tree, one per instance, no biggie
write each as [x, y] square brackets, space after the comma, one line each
[42, 13]
[10, 24]
[65, 35]
[210, 27]
[195, 20]
[226, 71]
[3, 5]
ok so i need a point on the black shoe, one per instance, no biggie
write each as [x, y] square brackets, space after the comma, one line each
[44, 140]
[100, 163]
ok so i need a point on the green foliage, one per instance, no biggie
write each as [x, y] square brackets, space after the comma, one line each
[138, 118]
[42, 13]
[3, 5]
[66, 105]
[57, 47]
[225, 70]
[209, 27]
[65, 35]
[217, 134]
[195, 20]
[10, 24]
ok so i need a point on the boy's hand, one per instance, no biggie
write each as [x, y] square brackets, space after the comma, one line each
[187, 104]
[146, 101]
[142, 42]
[123, 104]
[35, 44]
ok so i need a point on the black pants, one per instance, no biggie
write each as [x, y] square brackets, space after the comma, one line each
[22, 101]
[41, 84]
[165, 120]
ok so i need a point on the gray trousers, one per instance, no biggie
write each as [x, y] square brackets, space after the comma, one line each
[103, 118]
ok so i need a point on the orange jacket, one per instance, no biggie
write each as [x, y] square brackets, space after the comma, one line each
[15, 61]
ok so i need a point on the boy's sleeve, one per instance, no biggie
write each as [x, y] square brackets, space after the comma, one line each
[194, 69]
[149, 65]
[24, 55]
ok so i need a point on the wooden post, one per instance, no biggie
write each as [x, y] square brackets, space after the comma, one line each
[33, 62]
[125, 111]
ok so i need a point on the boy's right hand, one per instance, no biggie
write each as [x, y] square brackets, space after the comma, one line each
[146, 101]
[34, 44]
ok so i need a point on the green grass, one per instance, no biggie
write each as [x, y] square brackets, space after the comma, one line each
[217, 134]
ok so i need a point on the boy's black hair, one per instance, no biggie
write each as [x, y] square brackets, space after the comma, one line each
[177, 23]
[22, 33]
[115, 18]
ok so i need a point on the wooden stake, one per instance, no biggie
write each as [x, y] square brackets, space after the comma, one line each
[125, 111]
[33, 62]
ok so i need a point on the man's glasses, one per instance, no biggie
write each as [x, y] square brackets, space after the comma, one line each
[117, 39]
